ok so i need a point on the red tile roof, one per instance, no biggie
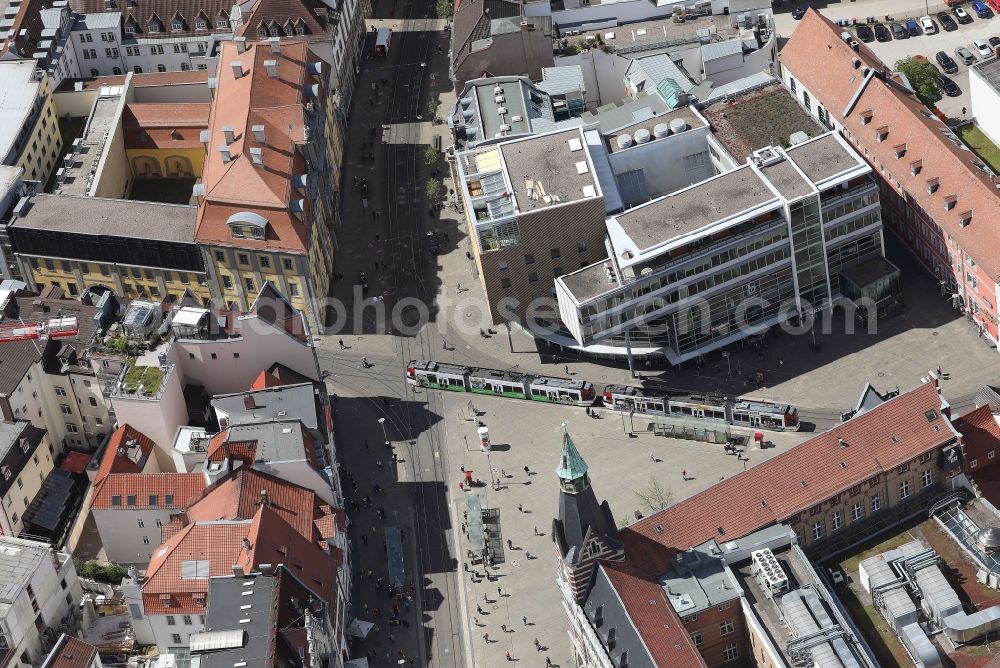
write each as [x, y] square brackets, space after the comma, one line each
[238, 496]
[288, 18]
[165, 125]
[278, 104]
[75, 462]
[980, 436]
[875, 441]
[220, 448]
[654, 618]
[117, 461]
[264, 380]
[820, 59]
[72, 653]
[221, 543]
[180, 486]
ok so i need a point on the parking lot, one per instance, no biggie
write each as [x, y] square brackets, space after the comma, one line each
[928, 45]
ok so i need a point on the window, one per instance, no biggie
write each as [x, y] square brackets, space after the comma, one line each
[265, 261]
[581, 247]
[171, 620]
[503, 266]
[13, 518]
[201, 24]
[286, 263]
[504, 282]
[176, 26]
[159, 523]
[131, 51]
[817, 530]
[262, 32]
[904, 489]
[130, 500]
[145, 540]
[116, 70]
[137, 69]
[856, 512]
[175, 638]
[153, 26]
[249, 283]
[532, 277]
[180, 48]
[93, 401]
[555, 254]
[243, 258]
[974, 463]
[726, 627]
[187, 620]
[220, 256]
[612, 637]
[20, 485]
[221, 23]
[697, 638]
[161, 68]
[98, 421]
[71, 428]
[293, 289]
[876, 502]
[730, 652]
[215, 356]
[168, 499]
[94, 72]
[529, 259]
[791, 86]
[141, 524]
[86, 37]
[116, 500]
[926, 479]
[227, 282]
[66, 410]
[835, 521]
[806, 101]
[60, 391]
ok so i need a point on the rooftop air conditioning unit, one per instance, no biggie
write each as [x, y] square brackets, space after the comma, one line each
[504, 128]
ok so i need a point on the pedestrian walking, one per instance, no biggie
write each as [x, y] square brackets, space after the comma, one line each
[538, 645]
[536, 530]
[486, 637]
[503, 473]
[548, 662]
[499, 592]
[527, 555]
[475, 620]
[364, 538]
[567, 369]
[366, 444]
[652, 458]
[527, 471]
[524, 618]
[510, 544]
[520, 508]
[341, 342]
[503, 627]
[378, 463]
[684, 474]
[486, 599]
[509, 657]
[479, 609]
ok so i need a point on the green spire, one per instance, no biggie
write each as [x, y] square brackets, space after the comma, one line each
[571, 464]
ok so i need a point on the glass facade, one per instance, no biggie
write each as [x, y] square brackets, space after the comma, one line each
[806, 224]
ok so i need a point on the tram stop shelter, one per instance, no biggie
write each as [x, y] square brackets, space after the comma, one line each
[474, 528]
[707, 430]
[394, 554]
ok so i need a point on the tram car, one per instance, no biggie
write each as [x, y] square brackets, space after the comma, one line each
[739, 412]
[457, 378]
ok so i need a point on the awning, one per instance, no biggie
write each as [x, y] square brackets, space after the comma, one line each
[357, 663]
[359, 628]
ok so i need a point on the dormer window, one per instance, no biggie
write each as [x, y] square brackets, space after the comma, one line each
[247, 225]
[950, 201]
[882, 133]
[221, 23]
[262, 32]
[965, 218]
[300, 28]
[153, 26]
[176, 26]
[201, 24]
[866, 116]
[932, 185]
[899, 150]
[916, 166]
[274, 31]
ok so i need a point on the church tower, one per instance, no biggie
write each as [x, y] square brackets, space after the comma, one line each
[585, 530]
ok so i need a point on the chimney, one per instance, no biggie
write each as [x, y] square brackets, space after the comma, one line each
[257, 156]
[238, 571]
[272, 68]
[5, 411]
[263, 497]
[275, 43]
[230, 134]
[241, 44]
[841, 442]
[237, 69]
[226, 155]
[258, 134]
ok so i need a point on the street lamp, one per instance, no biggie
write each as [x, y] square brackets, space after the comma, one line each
[385, 436]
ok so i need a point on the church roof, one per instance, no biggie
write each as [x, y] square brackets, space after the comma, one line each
[571, 464]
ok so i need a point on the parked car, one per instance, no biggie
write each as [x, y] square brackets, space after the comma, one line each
[927, 25]
[898, 31]
[984, 49]
[982, 11]
[946, 62]
[882, 33]
[950, 88]
[965, 55]
[994, 41]
[947, 23]
[799, 12]
[865, 34]
[912, 27]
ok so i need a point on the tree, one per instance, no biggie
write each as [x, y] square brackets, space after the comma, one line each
[431, 155]
[92, 569]
[433, 190]
[654, 497]
[923, 78]
[444, 8]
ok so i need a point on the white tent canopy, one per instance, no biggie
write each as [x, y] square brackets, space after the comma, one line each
[359, 628]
